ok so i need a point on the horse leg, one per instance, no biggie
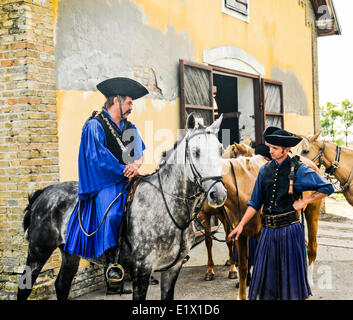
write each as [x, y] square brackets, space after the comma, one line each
[206, 221]
[68, 269]
[140, 282]
[242, 246]
[232, 274]
[312, 213]
[36, 259]
[168, 281]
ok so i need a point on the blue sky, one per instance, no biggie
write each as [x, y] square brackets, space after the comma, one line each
[336, 58]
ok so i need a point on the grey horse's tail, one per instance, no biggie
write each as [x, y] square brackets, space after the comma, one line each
[31, 199]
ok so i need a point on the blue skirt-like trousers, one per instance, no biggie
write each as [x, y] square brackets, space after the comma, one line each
[92, 213]
[280, 266]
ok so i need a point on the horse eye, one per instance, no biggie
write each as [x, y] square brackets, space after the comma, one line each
[197, 153]
[305, 151]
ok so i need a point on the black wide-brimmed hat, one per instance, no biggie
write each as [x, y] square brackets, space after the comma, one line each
[281, 137]
[122, 87]
[264, 150]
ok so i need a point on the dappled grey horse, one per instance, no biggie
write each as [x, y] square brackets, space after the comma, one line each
[157, 232]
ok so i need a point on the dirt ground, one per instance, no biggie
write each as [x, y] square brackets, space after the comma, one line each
[332, 273]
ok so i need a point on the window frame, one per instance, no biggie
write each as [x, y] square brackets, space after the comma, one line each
[275, 114]
[235, 12]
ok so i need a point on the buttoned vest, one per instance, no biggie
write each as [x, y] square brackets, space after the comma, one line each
[275, 186]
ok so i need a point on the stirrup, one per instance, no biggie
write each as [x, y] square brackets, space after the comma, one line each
[115, 266]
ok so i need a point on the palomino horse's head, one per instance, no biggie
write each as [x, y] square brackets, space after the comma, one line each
[203, 161]
[238, 149]
[310, 147]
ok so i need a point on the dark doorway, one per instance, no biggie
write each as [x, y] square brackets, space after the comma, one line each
[226, 98]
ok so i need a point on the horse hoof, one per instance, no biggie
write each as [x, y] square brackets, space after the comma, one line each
[209, 276]
[232, 275]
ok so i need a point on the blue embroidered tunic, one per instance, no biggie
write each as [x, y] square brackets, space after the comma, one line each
[101, 179]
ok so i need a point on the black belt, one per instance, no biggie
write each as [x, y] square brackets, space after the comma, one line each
[280, 220]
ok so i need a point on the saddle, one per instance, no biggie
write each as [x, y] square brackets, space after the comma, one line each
[130, 197]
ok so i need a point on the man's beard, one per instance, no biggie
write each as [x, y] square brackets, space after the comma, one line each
[125, 114]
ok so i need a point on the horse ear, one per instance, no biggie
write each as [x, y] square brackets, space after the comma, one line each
[216, 125]
[315, 136]
[190, 121]
[247, 141]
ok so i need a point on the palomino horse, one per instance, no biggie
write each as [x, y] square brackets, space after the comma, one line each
[238, 149]
[338, 161]
[232, 151]
[157, 232]
[246, 170]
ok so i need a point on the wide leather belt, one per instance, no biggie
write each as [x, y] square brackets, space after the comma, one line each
[280, 220]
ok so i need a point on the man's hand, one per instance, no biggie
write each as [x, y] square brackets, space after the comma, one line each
[299, 204]
[237, 231]
[130, 170]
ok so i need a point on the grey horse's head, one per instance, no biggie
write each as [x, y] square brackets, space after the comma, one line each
[203, 160]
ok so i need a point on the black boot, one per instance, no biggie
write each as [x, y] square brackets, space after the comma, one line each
[114, 277]
[114, 273]
[117, 289]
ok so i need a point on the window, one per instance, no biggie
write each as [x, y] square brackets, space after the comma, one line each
[237, 5]
[238, 9]
[273, 103]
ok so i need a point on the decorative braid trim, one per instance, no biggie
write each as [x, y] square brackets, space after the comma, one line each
[123, 148]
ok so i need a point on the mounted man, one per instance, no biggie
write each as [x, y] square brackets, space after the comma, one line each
[110, 154]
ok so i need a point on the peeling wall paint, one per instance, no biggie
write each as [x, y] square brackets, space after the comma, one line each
[295, 98]
[144, 39]
[99, 39]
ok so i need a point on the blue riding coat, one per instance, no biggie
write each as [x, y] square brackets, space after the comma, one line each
[101, 179]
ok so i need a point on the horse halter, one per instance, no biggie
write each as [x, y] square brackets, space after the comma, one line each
[198, 179]
[334, 165]
[320, 154]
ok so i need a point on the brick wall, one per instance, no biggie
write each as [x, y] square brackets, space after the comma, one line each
[28, 137]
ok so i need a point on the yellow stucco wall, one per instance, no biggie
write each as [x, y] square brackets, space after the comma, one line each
[265, 37]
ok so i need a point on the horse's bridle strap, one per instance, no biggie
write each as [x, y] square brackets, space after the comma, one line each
[198, 179]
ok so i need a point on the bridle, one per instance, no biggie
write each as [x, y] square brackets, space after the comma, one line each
[331, 170]
[198, 179]
[320, 154]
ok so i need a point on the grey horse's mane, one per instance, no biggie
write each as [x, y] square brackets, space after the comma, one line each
[167, 153]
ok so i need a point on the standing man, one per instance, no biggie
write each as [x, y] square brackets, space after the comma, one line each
[110, 154]
[280, 268]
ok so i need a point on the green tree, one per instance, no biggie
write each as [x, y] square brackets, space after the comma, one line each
[347, 118]
[330, 116]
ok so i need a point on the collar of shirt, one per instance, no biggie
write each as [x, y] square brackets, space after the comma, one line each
[284, 161]
[120, 125]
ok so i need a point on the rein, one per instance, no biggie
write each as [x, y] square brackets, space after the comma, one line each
[198, 180]
[105, 214]
[237, 191]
